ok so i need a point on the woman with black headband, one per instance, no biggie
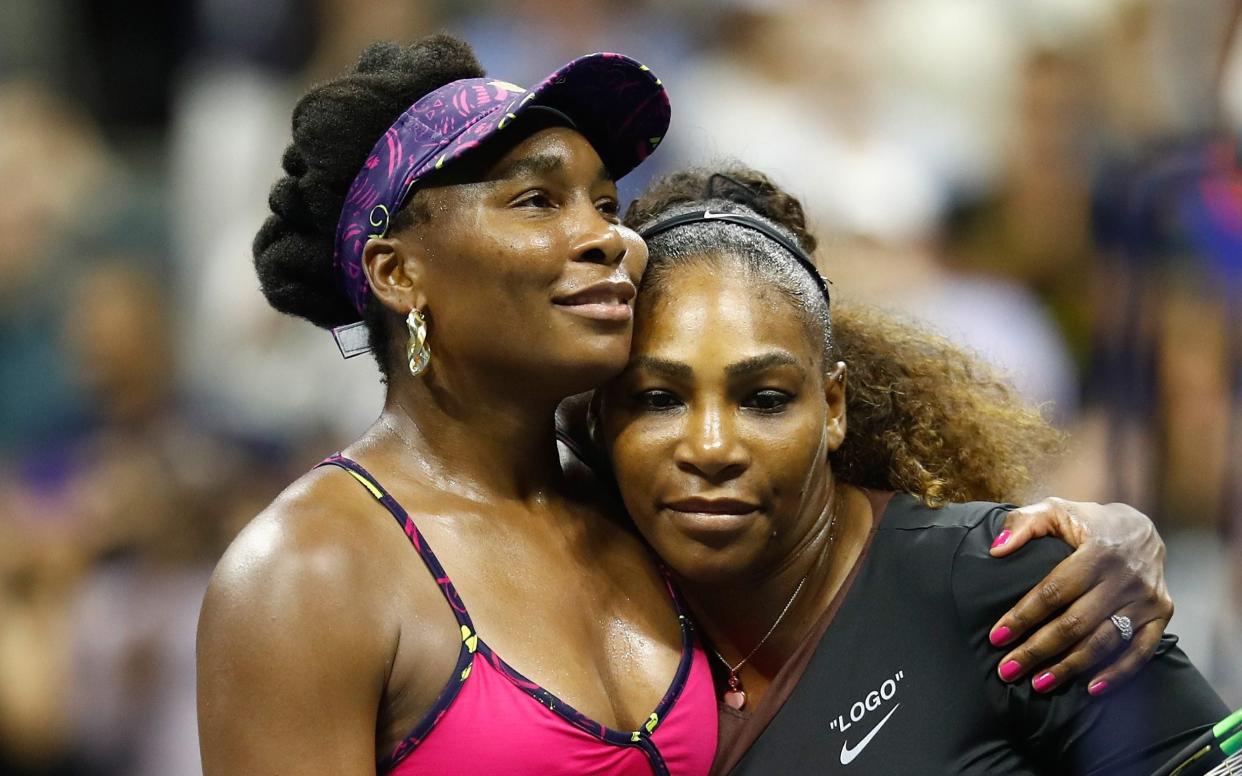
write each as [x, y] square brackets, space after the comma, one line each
[845, 588]
[465, 231]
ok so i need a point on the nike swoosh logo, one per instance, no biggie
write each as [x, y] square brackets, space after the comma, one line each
[848, 754]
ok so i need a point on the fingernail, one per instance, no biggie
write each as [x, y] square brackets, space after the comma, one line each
[1043, 682]
[999, 635]
[1001, 538]
[1010, 670]
[1098, 688]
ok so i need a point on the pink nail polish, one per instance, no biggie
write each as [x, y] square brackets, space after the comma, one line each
[1098, 688]
[1010, 670]
[999, 635]
[1001, 538]
[1043, 682]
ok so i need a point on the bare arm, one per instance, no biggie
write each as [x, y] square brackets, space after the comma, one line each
[291, 659]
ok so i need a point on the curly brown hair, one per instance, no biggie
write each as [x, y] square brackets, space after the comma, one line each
[925, 416]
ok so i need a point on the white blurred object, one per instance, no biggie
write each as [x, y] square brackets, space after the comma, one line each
[1005, 324]
[948, 70]
[1208, 620]
[1059, 23]
[859, 183]
[876, 113]
[259, 372]
[1231, 87]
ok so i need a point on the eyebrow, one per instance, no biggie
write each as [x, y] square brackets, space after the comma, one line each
[539, 164]
[662, 366]
[759, 363]
[742, 368]
[543, 164]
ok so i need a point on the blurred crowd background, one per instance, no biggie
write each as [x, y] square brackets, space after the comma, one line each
[1052, 182]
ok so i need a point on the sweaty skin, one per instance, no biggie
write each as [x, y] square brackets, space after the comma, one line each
[322, 633]
[720, 449]
[714, 440]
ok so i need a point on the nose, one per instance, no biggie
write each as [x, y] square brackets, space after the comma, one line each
[710, 446]
[599, 240]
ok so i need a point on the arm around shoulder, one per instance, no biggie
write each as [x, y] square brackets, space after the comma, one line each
[1131, 730]
[291, 661]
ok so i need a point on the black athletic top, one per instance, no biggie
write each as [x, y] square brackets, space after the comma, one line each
[904, 679]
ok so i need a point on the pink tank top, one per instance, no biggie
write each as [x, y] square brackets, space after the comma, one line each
[490, 719]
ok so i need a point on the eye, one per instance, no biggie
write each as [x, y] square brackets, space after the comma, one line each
[769, 401]
[609, 208]
[657, 400]
[536, 199]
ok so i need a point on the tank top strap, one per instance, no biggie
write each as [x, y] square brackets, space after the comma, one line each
[372, 485]
[674, 592]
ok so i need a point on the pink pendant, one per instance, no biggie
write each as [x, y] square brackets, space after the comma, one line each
[735, 699]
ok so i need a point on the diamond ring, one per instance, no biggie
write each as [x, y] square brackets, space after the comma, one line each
[1123, 624]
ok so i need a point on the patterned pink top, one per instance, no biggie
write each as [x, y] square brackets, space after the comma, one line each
[491, 719]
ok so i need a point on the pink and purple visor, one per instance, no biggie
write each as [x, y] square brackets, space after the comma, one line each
[616, 103]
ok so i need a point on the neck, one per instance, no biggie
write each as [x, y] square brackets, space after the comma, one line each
[737, 613]
[483, 441]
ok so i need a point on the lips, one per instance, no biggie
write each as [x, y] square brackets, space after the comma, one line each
[712, 506]
[715, 522]
[608, 300]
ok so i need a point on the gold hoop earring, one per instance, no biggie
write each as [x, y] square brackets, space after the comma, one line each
[417, 350]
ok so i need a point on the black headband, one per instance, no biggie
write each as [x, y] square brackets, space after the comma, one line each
[748, 221]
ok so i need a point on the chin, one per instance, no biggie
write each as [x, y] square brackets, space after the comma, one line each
[591, 364]
[557, 366]
[703, 564]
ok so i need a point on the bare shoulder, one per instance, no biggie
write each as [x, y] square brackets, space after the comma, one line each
[294, 643]
[311, 551]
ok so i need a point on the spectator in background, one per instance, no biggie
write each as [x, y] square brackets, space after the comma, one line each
[66, 196]
[52, 163]
[145, 482]
[1167, 376]
[1229, 627]
[97, 652]
[64, 189]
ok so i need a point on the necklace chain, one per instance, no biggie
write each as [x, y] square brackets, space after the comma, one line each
[733, 670]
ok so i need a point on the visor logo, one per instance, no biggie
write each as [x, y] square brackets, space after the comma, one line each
[508, 87]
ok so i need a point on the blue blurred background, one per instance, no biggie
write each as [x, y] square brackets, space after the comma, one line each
[1054, 183]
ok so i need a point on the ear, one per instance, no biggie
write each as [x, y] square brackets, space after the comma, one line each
[394, 273]
[834, 394]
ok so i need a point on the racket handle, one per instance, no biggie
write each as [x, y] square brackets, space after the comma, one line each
[1207, 751]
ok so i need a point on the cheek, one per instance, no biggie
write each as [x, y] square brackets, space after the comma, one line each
[490, 251]
[791, 457]
[494, 280]
[508, 266]
[643, 463]
[639, 457]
